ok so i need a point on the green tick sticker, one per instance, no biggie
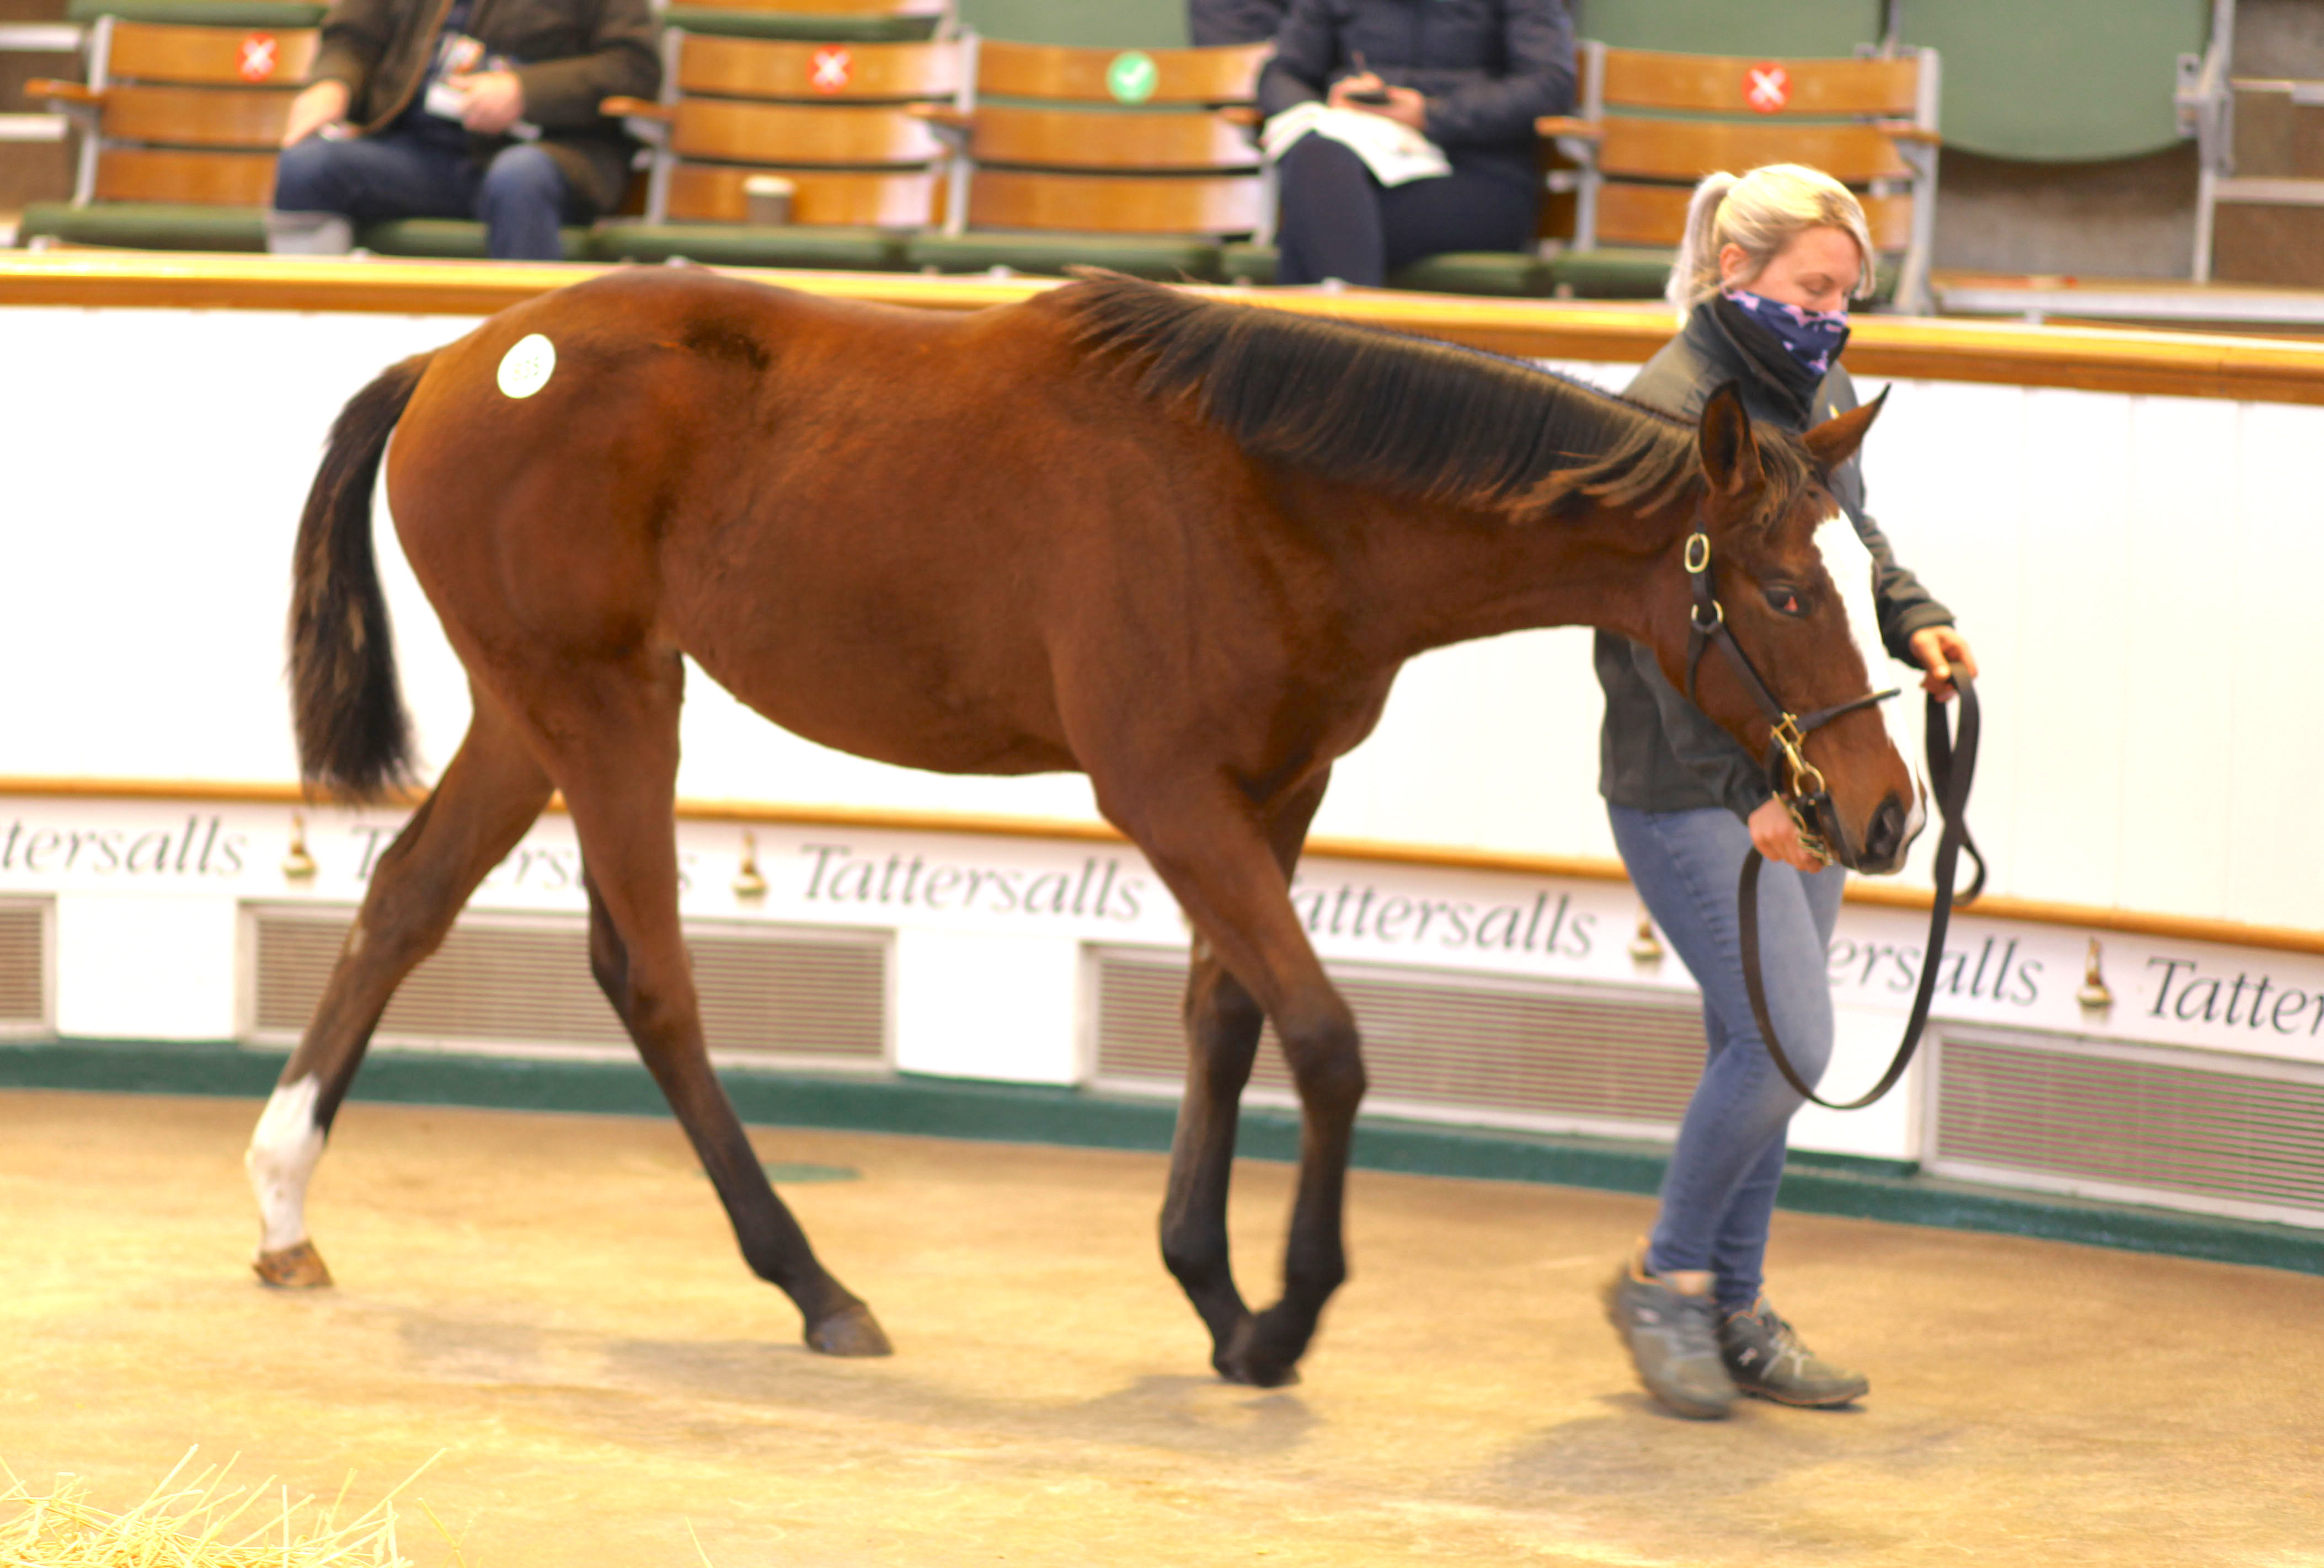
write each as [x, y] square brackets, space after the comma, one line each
[1132, 77]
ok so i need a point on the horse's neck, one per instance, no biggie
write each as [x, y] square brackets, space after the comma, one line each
[1448, 574]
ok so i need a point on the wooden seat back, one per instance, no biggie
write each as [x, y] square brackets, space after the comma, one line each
[1654, 123]
[835, 119]
[189, 114]
[818, 73]
[1133, 142]
[1159, 77]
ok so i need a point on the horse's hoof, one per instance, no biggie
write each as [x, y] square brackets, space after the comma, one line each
[300, 1267]
[1242, 1361]
[852, 1331]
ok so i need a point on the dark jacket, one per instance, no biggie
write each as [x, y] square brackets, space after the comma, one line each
[570, 55]
[1213, 22]
[1657, 751]
[1488, 68]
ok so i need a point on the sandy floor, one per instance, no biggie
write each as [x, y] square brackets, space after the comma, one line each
[554, 1303]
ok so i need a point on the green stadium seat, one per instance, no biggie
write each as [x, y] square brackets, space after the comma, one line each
[1165, 258]
[1652, 123]
[1134, 160]
[185, 118]
[450, 239]
[290, 13]
[145, 225]
[904, 26]
[739, 245]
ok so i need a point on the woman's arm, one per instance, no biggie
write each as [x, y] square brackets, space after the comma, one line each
[1710, 753]
[1538, 41]
[1305, 51]
[621, 61]
[356, 34]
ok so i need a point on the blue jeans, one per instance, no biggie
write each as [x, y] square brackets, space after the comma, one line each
[522, 196]
[1719, 1193]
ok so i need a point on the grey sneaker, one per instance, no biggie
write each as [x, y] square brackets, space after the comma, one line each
[1766, 1357]
[1672, 1341]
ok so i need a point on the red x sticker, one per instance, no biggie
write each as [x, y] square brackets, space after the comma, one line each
[258, 56]
[830, 69]
[1767, 87]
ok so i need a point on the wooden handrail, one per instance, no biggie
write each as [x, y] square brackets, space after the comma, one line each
[2012, 354]
[635, 110]
[48, 90]
[883, 819]
[1906, 131]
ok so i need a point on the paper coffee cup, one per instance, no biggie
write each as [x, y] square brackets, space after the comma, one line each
[768, 198]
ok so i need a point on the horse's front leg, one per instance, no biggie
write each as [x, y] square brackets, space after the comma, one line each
[1223, 1020]
[1211, 847]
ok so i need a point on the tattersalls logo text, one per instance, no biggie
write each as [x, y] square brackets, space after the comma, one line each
[203, 848]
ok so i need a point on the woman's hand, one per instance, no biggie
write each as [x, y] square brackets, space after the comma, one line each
[317, 105]
[1775, 835]
[1404, 106]
[494, 101]
[1939, 649]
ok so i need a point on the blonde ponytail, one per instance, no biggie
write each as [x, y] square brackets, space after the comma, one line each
[1762, 211]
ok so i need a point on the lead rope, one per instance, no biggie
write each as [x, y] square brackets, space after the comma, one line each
[1953, 764]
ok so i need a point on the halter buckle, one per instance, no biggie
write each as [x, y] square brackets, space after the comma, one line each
[1698, 552]
[1810, 830]
[1789, 739]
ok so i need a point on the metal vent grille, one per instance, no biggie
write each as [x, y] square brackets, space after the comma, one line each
[1469, 1050]
[2220, 1135]
[23, 965]
[510, 982]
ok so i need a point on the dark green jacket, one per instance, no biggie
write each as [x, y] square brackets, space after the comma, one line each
[1657, 751]
[570, 54]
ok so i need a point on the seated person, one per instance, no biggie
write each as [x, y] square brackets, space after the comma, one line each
[404, 119]
[1213, 22]
[1459, 82]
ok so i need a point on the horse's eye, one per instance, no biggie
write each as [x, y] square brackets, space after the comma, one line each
[1783, 601]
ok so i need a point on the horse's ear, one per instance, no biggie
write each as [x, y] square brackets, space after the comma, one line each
[1730, 453]
[1835, 441]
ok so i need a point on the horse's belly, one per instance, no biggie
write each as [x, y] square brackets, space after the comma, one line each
[904, 698]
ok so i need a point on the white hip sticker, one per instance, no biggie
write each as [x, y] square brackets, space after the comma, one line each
[526, 368]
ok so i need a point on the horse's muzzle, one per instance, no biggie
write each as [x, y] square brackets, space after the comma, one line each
[1888, 834]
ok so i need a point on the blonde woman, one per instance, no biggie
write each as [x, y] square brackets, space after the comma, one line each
[1762, 284]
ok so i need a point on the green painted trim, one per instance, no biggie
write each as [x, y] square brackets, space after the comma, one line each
[1816, 1184]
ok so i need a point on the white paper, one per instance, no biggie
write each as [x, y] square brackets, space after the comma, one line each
[1395, 152]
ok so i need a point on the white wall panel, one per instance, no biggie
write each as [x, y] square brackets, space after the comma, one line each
[2138, 575]
[138, 967]
[2167, 653]
[2267, 788]
[974, 1004]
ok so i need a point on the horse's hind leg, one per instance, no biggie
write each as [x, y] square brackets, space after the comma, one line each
[1223, 1028]
[489, 795]
[617, 763]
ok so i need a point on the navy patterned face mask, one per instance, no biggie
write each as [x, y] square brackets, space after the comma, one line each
[1814, 337]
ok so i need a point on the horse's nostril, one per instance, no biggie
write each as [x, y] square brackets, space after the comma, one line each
[1886, 835]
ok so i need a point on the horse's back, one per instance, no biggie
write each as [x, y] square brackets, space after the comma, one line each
[782, 486]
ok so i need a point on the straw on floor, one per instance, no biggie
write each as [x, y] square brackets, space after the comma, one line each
[197, 1520]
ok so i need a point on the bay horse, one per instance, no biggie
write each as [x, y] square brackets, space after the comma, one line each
[1181, 545]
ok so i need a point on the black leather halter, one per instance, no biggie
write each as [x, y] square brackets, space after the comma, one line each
[1952, 765]
[1800, 784]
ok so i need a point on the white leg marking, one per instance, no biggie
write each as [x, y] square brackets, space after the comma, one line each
[283, 1151]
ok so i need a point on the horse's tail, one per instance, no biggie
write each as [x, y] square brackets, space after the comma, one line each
[355, 738]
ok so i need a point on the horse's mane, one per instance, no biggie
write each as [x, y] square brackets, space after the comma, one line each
[1407, 414]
